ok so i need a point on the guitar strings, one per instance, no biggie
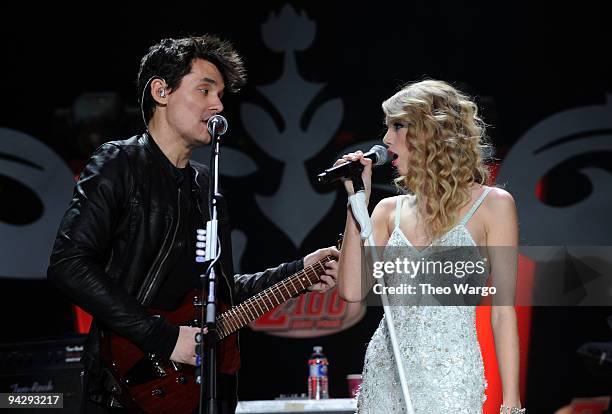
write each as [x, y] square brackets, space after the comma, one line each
[248, 304]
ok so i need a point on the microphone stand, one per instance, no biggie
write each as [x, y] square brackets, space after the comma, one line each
[360, 212]
[208, 342]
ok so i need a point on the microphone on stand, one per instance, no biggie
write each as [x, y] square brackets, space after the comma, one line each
[217, 124]
[206, 346]
[378, 154]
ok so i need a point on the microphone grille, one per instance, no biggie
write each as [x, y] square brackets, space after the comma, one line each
[221, 124]
[382, 156]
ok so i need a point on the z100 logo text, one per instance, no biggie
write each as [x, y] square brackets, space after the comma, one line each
[310, 315]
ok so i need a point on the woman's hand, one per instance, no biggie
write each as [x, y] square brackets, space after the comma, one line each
[366, 175]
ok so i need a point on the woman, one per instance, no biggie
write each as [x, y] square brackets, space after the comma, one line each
[436, 139]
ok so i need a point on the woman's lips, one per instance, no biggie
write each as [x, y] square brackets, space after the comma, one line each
[395, 159]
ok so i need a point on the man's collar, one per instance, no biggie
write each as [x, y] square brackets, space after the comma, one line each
[172, 171]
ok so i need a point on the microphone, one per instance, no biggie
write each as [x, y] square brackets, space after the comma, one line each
[378, 154]
[217, 124]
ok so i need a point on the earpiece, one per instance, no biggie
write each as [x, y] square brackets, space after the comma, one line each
[162, 93]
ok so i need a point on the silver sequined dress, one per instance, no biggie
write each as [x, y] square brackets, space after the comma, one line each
[438, 344]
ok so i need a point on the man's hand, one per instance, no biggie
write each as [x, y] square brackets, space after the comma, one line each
[184, 350]
[328, 280]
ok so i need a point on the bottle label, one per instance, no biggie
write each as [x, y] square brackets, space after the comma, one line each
[317, 367]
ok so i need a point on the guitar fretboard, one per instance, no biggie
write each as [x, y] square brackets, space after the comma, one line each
[249, 310]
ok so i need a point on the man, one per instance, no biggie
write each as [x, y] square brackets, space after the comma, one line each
[127, 239]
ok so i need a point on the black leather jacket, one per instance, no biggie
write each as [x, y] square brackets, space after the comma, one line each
[117, 239]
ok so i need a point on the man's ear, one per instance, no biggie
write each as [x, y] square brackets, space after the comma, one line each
[159, 91]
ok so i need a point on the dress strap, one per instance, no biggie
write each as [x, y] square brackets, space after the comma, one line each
[475, 206]
[398, 209]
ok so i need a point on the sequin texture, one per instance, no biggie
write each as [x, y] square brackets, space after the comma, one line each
[438, 345]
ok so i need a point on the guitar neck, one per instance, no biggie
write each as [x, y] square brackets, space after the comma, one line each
[249, 310]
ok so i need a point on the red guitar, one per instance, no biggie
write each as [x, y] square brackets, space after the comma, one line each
[147, 383]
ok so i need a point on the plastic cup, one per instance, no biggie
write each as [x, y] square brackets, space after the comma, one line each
[353, 381]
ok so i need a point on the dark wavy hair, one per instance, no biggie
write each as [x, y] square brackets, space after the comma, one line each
[171, 60]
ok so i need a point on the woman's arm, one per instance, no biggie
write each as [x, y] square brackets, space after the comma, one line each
[353, 284]
[502, 241]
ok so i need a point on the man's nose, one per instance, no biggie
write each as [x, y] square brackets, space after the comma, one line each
[217, 106]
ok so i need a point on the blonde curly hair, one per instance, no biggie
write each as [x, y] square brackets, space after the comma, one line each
[448, 144]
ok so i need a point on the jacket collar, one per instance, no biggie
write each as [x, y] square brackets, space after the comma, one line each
[167, 166]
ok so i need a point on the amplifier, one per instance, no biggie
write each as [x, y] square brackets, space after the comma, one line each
[44, 366]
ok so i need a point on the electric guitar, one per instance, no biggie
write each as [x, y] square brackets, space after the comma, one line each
[144, 382]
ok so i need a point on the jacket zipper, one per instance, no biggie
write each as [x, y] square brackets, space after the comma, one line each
[159, 268]
[141, 293]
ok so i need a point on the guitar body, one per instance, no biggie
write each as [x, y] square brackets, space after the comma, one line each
[148, 383]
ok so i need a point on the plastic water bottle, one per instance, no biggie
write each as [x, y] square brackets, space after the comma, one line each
[317, 377]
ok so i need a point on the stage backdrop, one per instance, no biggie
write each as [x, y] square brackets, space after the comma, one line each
[317, 75]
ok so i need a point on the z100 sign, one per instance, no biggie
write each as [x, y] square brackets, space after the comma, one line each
[310, 315]
[307, 316]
